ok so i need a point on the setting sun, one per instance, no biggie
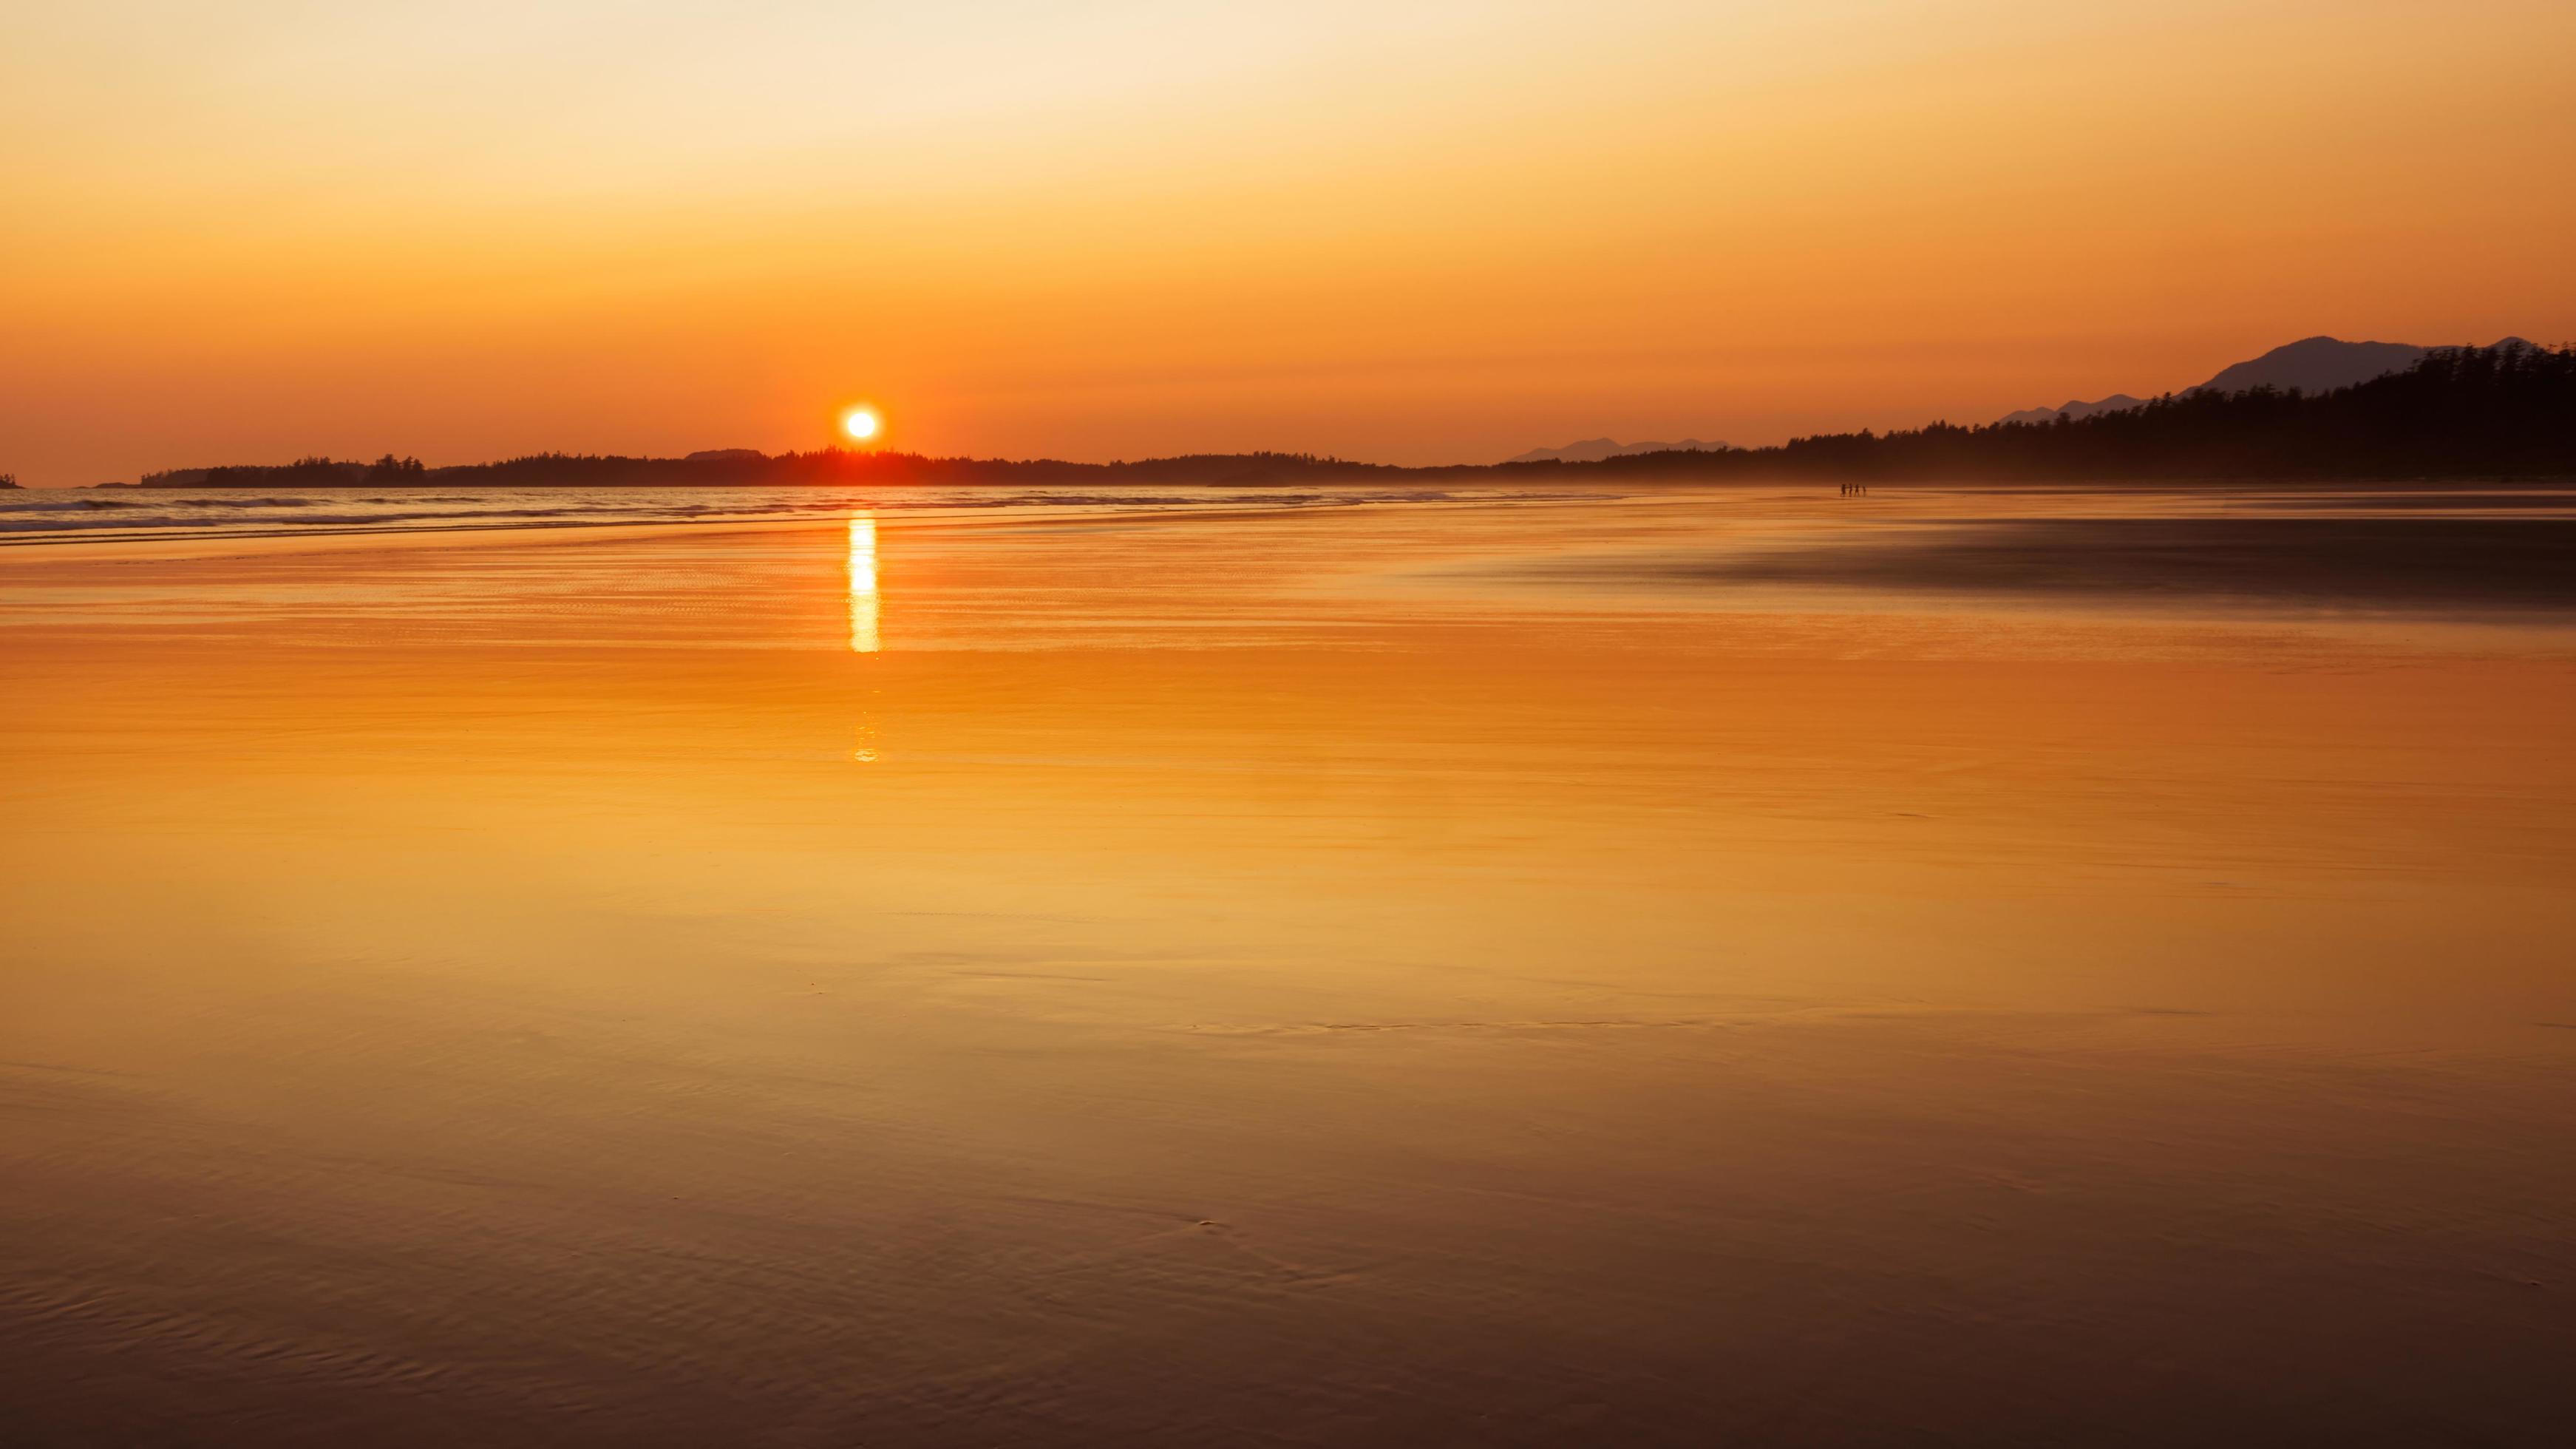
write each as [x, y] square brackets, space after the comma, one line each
[1650, 721]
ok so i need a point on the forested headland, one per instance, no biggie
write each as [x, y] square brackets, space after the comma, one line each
[2507, 411]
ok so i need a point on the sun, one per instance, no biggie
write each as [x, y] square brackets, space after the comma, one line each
[861, 424]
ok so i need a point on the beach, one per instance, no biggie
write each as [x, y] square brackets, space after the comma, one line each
[1997, 966]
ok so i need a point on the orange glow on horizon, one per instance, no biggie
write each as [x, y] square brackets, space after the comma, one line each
[1402, 233]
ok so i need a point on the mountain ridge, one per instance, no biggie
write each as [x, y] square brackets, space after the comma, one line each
[2311, 364]
[2074, 409]
[2506, 411]
[1593, 450]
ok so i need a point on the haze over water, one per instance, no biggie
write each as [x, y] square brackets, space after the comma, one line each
[1747, 965]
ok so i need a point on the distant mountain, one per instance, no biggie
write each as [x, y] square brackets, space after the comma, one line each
[2311, 364]
[1593, 450]
[2317, 364]
[2458, 413]
[2073, 409]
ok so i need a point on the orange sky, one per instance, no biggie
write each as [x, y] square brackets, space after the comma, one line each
[1403, 231]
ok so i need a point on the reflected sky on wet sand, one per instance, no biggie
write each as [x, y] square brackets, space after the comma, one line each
[1663, 969]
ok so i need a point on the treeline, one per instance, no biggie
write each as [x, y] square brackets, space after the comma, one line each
[2506, 411]
[837, 465]
[387, 472]
[736, 467]
[2460, 412]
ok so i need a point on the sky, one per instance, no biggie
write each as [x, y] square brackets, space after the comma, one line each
[252, 230]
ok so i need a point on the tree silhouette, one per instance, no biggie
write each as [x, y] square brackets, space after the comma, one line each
[2505, 411]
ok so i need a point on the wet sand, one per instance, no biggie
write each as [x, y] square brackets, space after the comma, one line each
[2363, 563]
[1391, 974]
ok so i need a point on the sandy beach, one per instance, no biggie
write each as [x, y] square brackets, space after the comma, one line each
[1691, 967]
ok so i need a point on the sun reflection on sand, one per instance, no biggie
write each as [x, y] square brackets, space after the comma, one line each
[863, 584]
[863, 619]
[1494, 962]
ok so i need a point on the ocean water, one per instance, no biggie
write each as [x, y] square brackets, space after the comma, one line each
[1997, 966]
[197, 514]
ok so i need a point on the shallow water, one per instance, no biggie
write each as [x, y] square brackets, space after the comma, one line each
[1482, 970]
[91, 515]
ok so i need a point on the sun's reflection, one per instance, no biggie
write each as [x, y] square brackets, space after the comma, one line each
[863, 624]
[863, 583]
